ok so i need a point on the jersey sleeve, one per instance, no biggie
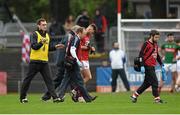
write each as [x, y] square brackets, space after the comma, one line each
[75, 42]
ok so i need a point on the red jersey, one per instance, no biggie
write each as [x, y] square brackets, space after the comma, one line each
[149, 53]
[85, 53]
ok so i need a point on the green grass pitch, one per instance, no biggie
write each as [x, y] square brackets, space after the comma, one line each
[106, 103]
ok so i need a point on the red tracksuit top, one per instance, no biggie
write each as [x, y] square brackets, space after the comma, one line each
[146, 50]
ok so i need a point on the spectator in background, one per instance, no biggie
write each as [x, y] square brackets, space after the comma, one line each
[101, 23]
[69, 23]
[83, 19]
[117, 58]
[56, 29]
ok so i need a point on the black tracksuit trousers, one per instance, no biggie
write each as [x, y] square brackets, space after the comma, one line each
[73, 76]
[150, 80]
[34, 68]
[115, 73]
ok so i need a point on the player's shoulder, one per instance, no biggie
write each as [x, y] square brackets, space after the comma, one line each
[76, 38]
[34, 34]
[111, 51]
[146, 43]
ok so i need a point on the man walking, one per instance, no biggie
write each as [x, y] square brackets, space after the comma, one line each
[85, 49]
[60, 63]
[40, 46]
[169, 51]
[73, 73]
[149, 55]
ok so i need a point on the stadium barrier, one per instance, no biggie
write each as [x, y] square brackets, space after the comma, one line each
[3, 83]
[103, 79]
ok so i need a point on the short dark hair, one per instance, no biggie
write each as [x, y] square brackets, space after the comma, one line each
[40, 20]
[154, 32]
[170, 34]
[94, 27]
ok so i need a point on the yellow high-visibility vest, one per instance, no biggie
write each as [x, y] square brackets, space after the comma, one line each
[42, 53]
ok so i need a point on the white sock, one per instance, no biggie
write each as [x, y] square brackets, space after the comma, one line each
[135, 95]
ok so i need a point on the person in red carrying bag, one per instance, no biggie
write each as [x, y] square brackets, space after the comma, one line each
[149, 55]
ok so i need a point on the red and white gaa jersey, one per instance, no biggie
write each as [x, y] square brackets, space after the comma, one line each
[85, 53]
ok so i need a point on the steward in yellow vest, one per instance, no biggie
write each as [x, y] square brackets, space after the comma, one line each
[40, 47]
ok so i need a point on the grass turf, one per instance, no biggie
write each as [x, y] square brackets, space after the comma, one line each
[106, 103]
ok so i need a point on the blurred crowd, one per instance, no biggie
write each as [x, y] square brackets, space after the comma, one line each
[58, 29]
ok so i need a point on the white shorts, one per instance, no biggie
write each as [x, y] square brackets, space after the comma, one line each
[85, 65]
[178, 66]
[170, 67]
